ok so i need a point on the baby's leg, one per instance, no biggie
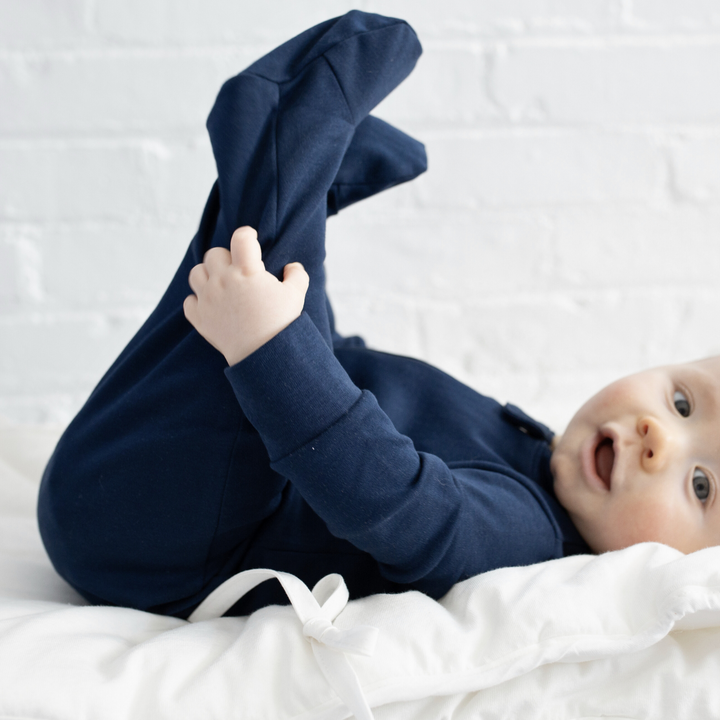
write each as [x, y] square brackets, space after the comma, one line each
[153, 493]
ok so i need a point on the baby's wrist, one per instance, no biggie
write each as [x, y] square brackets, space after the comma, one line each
[238, 353]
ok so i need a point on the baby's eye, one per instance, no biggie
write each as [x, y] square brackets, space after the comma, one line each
[701, 484]
[682, 404]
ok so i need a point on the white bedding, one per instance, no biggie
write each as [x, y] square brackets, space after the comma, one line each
[633, 634]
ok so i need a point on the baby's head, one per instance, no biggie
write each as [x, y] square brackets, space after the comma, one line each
[640, 461]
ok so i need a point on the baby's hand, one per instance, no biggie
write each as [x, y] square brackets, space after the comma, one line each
[238, 306]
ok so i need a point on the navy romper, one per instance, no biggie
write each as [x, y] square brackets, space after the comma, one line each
[314, 454]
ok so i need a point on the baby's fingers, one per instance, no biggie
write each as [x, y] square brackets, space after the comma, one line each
[197, 278]
[245, 250]
[216, 260]
[295, 276]
[190, 305]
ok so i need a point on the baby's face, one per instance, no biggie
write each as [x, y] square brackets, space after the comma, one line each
[640, 461]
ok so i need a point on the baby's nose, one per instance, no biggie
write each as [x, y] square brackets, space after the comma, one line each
[656, 443]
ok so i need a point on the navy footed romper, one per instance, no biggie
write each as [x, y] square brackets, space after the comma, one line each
[313, 455]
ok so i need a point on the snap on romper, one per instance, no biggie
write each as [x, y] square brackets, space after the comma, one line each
[314, 454]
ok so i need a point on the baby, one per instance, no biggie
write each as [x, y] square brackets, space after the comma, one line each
[638, 462]
[300, 450]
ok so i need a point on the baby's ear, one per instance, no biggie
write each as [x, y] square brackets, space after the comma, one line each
[378, 157]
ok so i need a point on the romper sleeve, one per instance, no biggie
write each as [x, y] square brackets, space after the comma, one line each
[425, 523]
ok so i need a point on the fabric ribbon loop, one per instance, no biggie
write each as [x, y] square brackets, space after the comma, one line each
[316, 611]
[359, 640]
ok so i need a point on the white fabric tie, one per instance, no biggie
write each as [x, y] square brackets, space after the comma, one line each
[316, 611]
[358, 640]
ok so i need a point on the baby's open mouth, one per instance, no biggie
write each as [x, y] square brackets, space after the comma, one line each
[604, 459]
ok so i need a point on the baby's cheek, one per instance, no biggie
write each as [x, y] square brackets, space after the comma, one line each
[646, 520]
[616, 396]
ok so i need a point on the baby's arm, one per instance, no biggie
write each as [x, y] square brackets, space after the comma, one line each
[238, 306]
[425, 523]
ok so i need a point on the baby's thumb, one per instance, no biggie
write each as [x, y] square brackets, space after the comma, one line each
[294, 274]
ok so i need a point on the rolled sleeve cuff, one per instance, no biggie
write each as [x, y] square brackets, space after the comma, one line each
[292, 388]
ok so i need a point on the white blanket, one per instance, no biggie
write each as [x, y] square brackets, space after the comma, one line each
[632, 634]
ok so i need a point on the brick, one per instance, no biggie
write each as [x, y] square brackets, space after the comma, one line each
[28, 268]
[526, 168]
[32, 24]
[571, 333]
[515, 335]
[444, 257]
[51, 409]
[48, 354]
[689, 15]
[690, 330]
[695, 163]
[60, 181]
[117, 93]
[609, 83]
[616, 246]
[563, 236]
[8, 273]
[182, 175]
[106, 267]
[213, 21]
[210, 21]
[499, 17]
[368, 315]
[20, 269]
[457, 77]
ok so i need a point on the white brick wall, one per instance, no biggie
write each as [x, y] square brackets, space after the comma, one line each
[567, 232]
